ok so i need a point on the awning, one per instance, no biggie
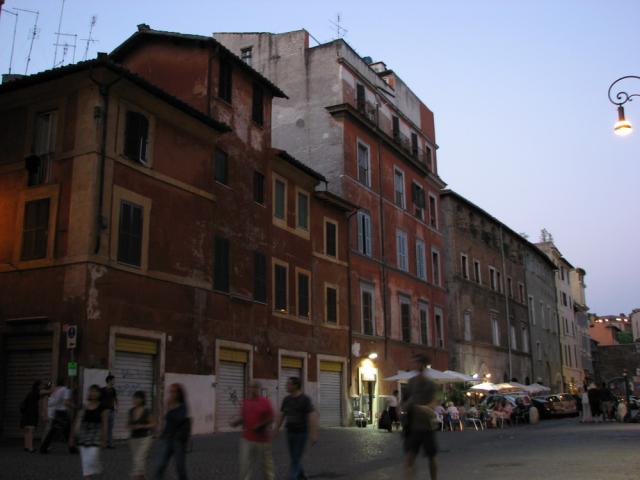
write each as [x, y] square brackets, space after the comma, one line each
[485, 387]
[461, 376]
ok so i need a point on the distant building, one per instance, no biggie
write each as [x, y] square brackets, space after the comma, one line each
[489, 327]
[604, 329]
[635, 323]
[580, 308]
[546, 357]
[571, 336]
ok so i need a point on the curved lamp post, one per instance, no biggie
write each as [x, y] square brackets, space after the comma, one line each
[622, 127]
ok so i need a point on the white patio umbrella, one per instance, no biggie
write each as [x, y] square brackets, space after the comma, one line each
[441, 377]
[537, 388]
[463, 377]
[485, 387]
[512, 386]
[402, 375]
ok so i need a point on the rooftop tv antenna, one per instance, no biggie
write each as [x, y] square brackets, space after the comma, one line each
[89, 38]
[340, 30]
[13, 42]
[66, 46]
[33, 34]
[55, 53]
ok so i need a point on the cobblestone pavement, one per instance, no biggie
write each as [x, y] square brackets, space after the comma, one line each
[555, 449]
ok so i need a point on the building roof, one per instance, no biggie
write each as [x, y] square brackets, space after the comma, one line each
[336, 200]
[103, 61]
[532, 247]
[553, 246]
[298, 164]
[146, 33]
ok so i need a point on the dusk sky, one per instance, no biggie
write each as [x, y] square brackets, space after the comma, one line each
[518, 88]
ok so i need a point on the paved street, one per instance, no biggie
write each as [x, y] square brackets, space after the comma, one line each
[558, 449]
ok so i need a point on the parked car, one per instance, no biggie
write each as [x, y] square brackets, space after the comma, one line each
[556, 405]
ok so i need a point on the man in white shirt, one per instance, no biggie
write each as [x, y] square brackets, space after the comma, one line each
[58, 406]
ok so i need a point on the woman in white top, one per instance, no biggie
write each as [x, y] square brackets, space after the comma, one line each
[586, 408]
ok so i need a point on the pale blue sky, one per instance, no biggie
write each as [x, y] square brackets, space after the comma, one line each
[518, 89]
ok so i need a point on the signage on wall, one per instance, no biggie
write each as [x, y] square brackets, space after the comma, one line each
[72, 336]
[72, 369]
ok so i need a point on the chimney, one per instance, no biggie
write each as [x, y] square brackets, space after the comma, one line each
[10, 77]
[143, 27]
[102, 56]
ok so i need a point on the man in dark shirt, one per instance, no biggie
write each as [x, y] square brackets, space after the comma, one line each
[301, 422]
[110, 404]
[421, 425]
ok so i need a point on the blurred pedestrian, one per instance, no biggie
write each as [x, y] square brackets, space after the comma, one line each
[59, 407]
[607, 400]
[256, 416]
[29, 415]
[300, 420]
[141, 424]
[594, 402]
[110, 404]
[175, 434]
[91, 432]
[422, 423]
[394, 418]
[586, 407]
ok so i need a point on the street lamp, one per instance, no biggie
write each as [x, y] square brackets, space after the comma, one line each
[622, 127]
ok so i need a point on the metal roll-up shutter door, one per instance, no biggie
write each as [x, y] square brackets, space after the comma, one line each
[289, 367]
[28, 359]
[134, 369]
[230, 386]
[330, 399]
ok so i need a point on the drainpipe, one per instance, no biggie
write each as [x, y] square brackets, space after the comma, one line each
[349, 290]
[506, 302]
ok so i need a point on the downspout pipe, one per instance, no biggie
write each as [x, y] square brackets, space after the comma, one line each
[506, 303]
[350, 303]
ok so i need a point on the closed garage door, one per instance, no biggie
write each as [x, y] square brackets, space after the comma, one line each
[134, 369]
[330, 401]
[289, 367]
[28, 360]
[230, 386]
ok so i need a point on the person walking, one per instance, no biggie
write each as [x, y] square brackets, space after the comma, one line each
[421, 424]
[110, 404]
[140, 424]
[59, 404]
[300, 420]
[394, 418]
[586, 408]
[91, 431]
[607, 401]
[29, 415]
[256, 416]
[594, 402]
[175, 434]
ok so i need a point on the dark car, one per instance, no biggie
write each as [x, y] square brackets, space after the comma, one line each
[556, 405]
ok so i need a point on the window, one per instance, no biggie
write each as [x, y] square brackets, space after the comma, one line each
[495, 329]
[525, 340]
[405, 317]
[414, 144]
[221, 270]
[331, 304]
[492, 278]
[224, 81]
[367, 308]
[433, 212]
[396, 127]
[543, 322]
[246, 54]
[418, 200]
[521, 292]
[302, 211]
[360, 97]
[398, 182]
[464, 266]
[499, 280]
[364, 164]
[510, 287]
[35, 233]
[439, 328]
[257, 105]
[435, 266]
[259, 277]
[258, 187]
[136, 137]
[562, 273]
[401, 250]
[467, 326]
[564, 299]
[130, 234]
[553, 320]
[514, 338]
[477, 271]
[364, 233]
[428, 153]
[44, 139]
[280, 287]
[221, 172]
[421, 262]
[539, 351]
[330, 238]
[532, 313]
[425, 334]
[279, 198]
[303, 294]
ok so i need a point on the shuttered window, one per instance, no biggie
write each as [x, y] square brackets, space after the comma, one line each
[303, 211]
[260, 277]
[303, 295]
[221, 266]
[257, 108]
[364, 233]
[331, 239]
[417, 193]
[136, 137]
[258, 187]
[280, 287]
[130, 233]
[405, 316]
[221, 167]
[279, 197]
[414, 144]
[425, 333]
[331, 300]
[364, 164]
[360, 97]
[367, 306]
[225, 80]
[35, 233]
